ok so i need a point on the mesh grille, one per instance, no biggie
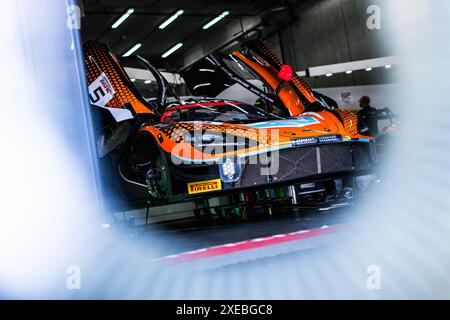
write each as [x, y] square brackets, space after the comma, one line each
[308, 162]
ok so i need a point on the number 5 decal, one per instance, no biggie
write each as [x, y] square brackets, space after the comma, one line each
[101, 91]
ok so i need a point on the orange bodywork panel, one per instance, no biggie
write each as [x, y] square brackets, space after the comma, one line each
[286, 94]
[275, 63]
[98, 59]
[171, 138]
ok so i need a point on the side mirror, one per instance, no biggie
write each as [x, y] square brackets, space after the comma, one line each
[286, 73]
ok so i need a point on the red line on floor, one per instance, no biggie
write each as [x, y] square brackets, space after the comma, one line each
[248, 244]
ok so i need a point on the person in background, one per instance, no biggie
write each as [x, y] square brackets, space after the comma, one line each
[368, 116]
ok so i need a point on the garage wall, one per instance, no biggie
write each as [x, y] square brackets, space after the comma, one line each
[333, 31]
[380, 95]
[314, 33]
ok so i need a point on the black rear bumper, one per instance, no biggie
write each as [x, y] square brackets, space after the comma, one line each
[309, 162]
[302, 164]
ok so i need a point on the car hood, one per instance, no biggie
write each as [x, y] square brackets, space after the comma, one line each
[306, 125]
[188, 140]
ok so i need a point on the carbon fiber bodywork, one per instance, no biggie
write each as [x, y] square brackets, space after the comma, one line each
[294, 164]
[311, 161]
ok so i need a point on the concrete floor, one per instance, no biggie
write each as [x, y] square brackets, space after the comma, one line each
[287, 233]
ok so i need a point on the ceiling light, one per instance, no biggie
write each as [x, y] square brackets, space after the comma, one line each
[388, 66]
[329, 74]
[133, 80]
[133, 49]
[148, 81]
[216, 19]
[122, 18]
[172, 50]
[171, 19]
[278, 9]
[348, 71]
[368, 69]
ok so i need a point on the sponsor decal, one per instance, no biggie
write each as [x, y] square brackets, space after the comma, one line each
[298, 142]
[101, 91]
[204, 186]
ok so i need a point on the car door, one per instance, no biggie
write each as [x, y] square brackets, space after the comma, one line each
[111, 87]
[256, 70]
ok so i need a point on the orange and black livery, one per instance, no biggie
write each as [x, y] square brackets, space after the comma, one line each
[276, 131]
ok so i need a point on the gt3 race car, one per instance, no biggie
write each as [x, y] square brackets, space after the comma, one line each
[161, 147]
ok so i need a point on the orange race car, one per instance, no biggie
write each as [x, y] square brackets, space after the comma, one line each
[170, 149]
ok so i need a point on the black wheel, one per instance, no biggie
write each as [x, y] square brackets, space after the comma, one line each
[142, 170]
[158, 178]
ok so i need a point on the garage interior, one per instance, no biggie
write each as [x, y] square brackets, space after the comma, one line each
[304, 33]
[338, 47]
[66, 232]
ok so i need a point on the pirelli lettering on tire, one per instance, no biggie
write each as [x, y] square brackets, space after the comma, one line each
[204, 186]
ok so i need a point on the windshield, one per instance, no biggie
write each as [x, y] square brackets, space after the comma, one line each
[246, 73]
[151, 83]
[234, 112]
